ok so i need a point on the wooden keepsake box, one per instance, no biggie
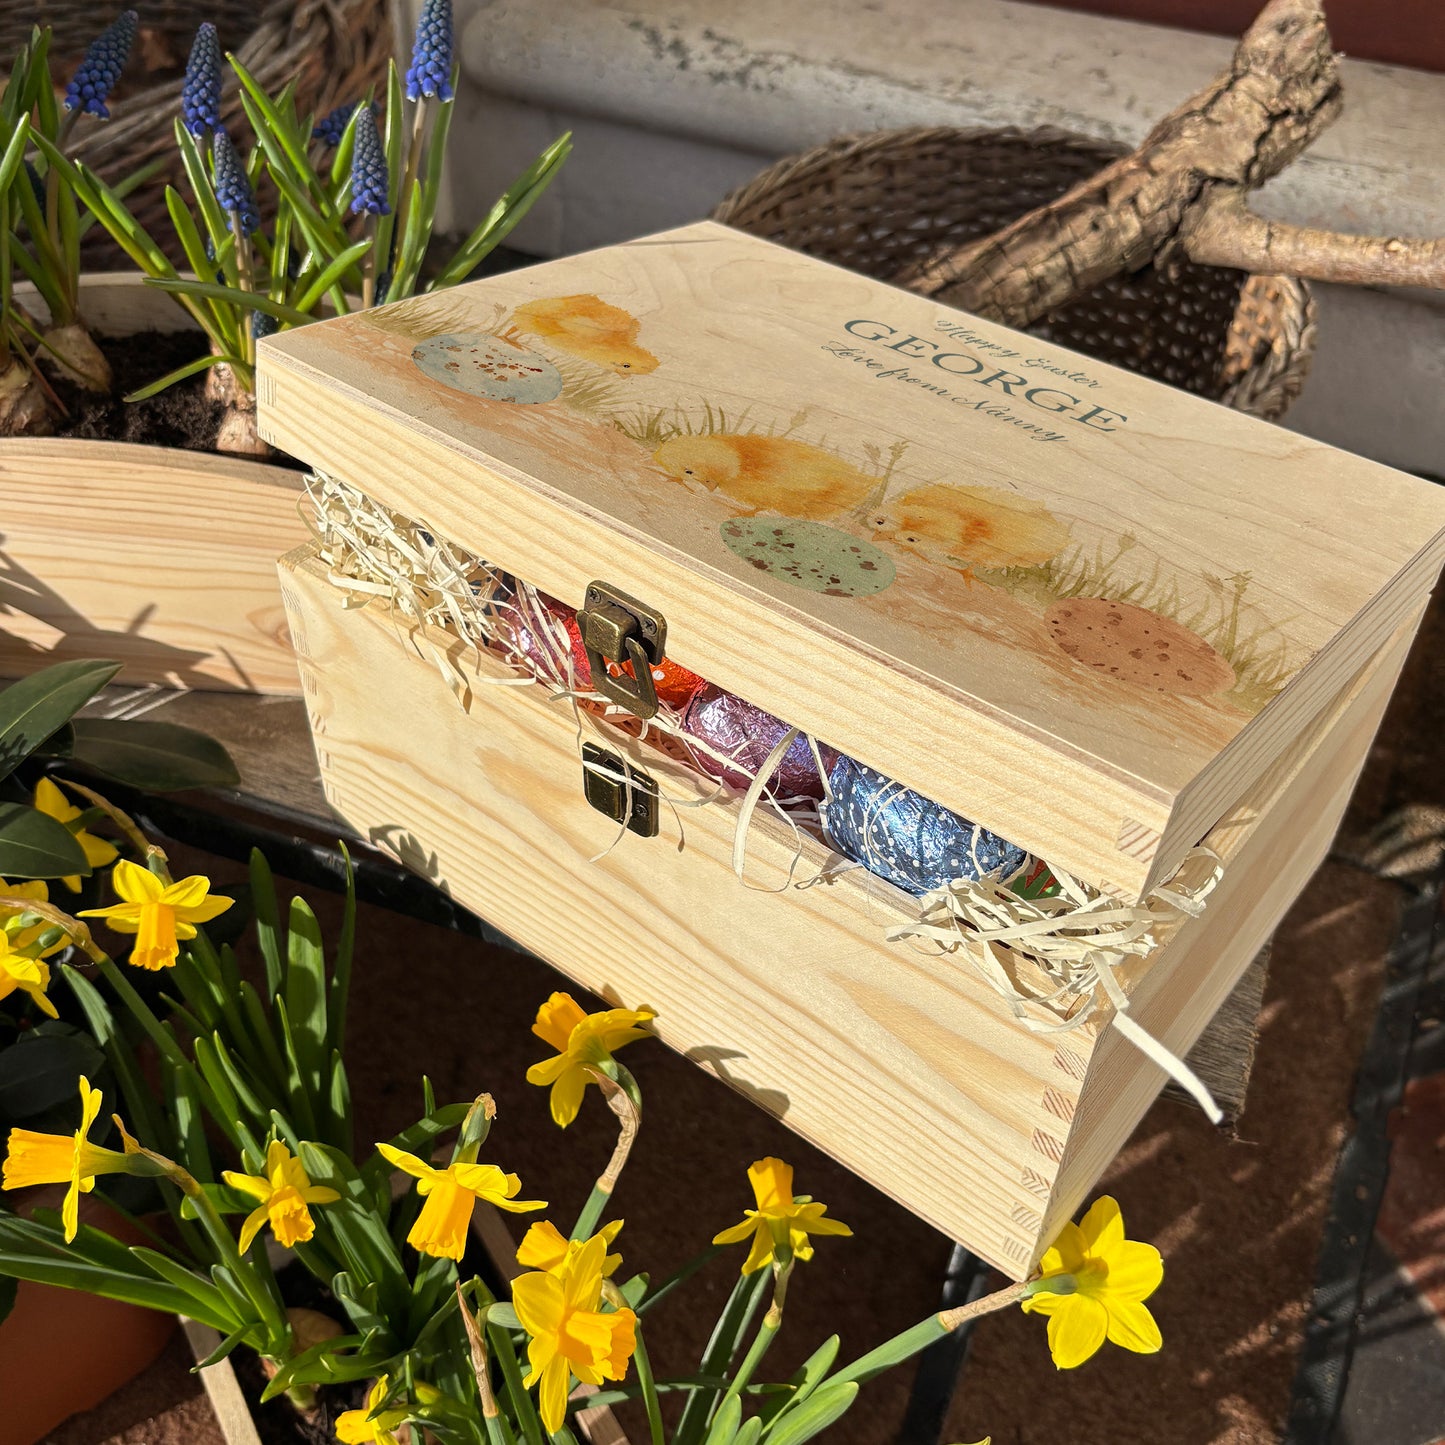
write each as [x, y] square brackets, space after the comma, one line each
[1103, 619]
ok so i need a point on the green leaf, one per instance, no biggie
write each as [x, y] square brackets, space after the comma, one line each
[203, 363]
[823, 1408]
[814, 1368]
[222, 1350]
[109, 1284]
[37, 706]
[306, 994]
[505, 214]
[750, 1431]
[340, 987]
[250, 300]
[39, 1072]
[155, 756]
[33, 845]
[338, 267]
[725, 1423]
[268, 920]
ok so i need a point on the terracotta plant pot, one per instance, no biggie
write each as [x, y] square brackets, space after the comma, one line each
[62, 1350]
[162, 559]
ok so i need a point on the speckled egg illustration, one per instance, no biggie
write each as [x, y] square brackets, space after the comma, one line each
[810, 555]
[1138, 646]
[488, 367]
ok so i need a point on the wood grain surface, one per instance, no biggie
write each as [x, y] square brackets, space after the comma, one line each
[163, 560]
[903, 1065]
[1113, 605]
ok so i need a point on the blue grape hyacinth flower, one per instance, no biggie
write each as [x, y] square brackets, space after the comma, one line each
[233, 187]
[101, 68]
[430, 72]
[263, 324]
[201, 93]
[332, 126]
[369, 181]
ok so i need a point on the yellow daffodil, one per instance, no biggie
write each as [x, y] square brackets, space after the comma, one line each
[159, 914]
[583, 1042]
[284, 1191]
[780, 1220]
[63, 1159]
[361, 1427]
[571, 1336]
[52, 802]
[545, 1247]
[441, 1227]
[1092, 1286]
[19, 972]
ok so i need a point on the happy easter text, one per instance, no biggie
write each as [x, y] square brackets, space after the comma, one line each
[1001, 383]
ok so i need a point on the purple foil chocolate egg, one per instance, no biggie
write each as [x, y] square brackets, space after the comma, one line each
[748, 734]
[906, 838]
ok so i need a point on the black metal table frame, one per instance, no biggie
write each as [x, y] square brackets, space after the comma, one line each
[1360, 1175]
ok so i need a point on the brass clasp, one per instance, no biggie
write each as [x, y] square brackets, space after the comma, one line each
[618, 790]
[617, 628]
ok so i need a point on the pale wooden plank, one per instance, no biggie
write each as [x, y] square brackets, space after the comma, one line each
[947, 684]
[233, 1414]
[161, 559]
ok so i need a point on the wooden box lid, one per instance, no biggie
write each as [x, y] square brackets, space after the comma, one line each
[1084, 609]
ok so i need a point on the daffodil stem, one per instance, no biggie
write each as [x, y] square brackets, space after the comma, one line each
[148, 851]
[159, 1035]
[629, 1118]
[650, 1399]
[926, 1332]
[732, 1324]
[763, 1340]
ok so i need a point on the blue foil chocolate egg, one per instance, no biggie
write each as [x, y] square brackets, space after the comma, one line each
[904, 837]
[748, 734]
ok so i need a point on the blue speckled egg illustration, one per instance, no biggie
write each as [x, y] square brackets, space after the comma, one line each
[906, 838]
[810, 555]
[488, 367]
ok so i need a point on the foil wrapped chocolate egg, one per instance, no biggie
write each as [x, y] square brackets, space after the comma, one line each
[747, 734]
[906, 838]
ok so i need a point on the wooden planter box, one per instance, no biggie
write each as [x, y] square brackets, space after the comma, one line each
[159, 558]
[969, 674]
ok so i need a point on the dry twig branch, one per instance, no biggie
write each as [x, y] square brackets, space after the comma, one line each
[1182, 192]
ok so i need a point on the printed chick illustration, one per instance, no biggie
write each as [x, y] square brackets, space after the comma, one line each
[763, 473]
[968, 527]
[589, 328]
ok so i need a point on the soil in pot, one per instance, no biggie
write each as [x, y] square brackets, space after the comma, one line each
[181, 416]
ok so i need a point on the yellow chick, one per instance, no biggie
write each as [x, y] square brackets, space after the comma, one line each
[761, 473]
[971, 527]
[589, 328]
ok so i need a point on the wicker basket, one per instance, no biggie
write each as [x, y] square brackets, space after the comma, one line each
[335, 49]
[877, 203]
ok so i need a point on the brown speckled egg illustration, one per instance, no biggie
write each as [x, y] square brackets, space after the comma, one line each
[489, 367]
[1137, 646]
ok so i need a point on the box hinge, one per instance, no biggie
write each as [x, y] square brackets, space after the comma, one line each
[619, 629]
[620, 791]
